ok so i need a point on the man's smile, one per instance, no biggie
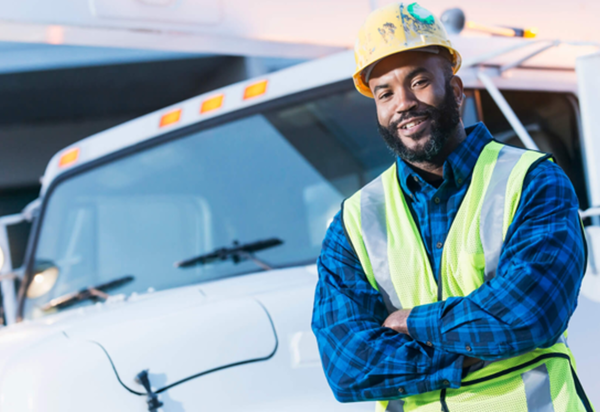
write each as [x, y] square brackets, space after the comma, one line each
[414, 126]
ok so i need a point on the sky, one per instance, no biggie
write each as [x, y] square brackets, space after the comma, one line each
[306, 28]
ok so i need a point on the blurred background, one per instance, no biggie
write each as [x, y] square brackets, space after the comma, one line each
[71, 68]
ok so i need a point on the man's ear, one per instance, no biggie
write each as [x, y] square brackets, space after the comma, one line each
[458, 89]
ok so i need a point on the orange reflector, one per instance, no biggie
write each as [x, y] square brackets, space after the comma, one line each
[256, 89]
[69, 157]
[212, 104]
[170, 118]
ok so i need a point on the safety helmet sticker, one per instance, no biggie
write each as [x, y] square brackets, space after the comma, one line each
[421, 14]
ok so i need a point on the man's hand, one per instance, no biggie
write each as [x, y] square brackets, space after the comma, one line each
[397, 321]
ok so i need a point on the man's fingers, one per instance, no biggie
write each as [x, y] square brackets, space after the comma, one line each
[397, 321]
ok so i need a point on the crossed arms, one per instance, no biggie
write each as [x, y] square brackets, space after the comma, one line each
[368, 356]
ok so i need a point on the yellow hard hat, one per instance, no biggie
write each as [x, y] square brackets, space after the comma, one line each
[393, 29]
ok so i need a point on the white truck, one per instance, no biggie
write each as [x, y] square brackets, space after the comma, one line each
[171, 261]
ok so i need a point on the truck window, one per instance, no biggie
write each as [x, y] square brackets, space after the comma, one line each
[277, 173]
[274, 173]
[551, 120]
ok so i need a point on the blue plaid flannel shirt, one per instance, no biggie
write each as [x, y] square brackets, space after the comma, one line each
[526, 306]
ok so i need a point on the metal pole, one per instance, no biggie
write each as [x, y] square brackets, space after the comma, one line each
[507, 111]
[477, 60]
[529, 56]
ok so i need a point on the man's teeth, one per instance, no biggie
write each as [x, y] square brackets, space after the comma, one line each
[412, 124]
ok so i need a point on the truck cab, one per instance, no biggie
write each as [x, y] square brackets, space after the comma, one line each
[171, 260]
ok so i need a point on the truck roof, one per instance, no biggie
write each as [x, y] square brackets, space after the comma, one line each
[552, 70]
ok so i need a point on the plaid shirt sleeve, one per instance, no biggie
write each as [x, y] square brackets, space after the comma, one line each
[362, 360]
[529, 302]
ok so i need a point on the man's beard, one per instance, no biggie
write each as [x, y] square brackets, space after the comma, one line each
[444, 120]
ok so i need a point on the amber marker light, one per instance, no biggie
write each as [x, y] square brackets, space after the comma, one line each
[170, 118]
[69, 157]
[256, 89]
[211, 104]
[530, 33]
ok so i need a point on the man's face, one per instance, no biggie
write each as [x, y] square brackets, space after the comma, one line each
[417, 103]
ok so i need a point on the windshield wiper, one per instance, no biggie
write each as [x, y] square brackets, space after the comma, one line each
[237, 253]
[93, 292]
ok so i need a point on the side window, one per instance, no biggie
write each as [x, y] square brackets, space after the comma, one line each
[551, 120]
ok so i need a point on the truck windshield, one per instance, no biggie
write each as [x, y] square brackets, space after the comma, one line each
[277, 173]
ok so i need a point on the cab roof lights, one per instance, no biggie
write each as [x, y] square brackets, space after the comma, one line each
[256, 89]
[212, 103]
[170, 118]
[69, 157]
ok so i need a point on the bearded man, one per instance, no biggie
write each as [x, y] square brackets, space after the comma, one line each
[447, 283]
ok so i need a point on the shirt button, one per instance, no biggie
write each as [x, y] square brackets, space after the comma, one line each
[401, 390]
[459, 181]
[429, 344]
[439, 245]
[436, 200]
[416, 179]
[446, 382]
[468, 348]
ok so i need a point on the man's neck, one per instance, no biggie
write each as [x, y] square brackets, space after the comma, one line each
[433, 170]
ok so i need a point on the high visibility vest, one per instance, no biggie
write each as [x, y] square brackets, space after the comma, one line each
[387, 241]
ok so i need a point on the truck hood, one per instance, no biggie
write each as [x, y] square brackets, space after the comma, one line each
[181, 333]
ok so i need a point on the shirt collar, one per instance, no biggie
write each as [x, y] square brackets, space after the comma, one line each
[458, 165]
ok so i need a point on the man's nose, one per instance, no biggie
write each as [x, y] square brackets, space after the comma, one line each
[405, 100]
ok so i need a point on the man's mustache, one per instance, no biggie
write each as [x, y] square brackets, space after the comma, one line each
[411, 115]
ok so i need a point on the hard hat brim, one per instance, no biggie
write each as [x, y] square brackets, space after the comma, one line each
[364, 89]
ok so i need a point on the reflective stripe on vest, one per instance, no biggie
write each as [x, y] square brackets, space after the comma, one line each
[537, 389]
[395, 406]
[388, 243]
[492, 210]
[374, 227]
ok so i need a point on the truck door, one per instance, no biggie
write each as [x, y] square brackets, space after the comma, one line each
[554, 122]
[586, 320]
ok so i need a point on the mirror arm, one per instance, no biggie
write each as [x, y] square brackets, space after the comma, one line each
[8, 276]
[593, 211]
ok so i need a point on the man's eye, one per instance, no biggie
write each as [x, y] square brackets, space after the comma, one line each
[420, 83]
[384, 95]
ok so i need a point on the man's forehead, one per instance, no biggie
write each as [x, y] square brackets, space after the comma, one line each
[406, 64]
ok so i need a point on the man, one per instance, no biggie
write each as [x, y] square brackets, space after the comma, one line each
[447, 283]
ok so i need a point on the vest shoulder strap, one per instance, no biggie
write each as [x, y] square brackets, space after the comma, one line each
[385, 238]
[370, 199]
[501, 181]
